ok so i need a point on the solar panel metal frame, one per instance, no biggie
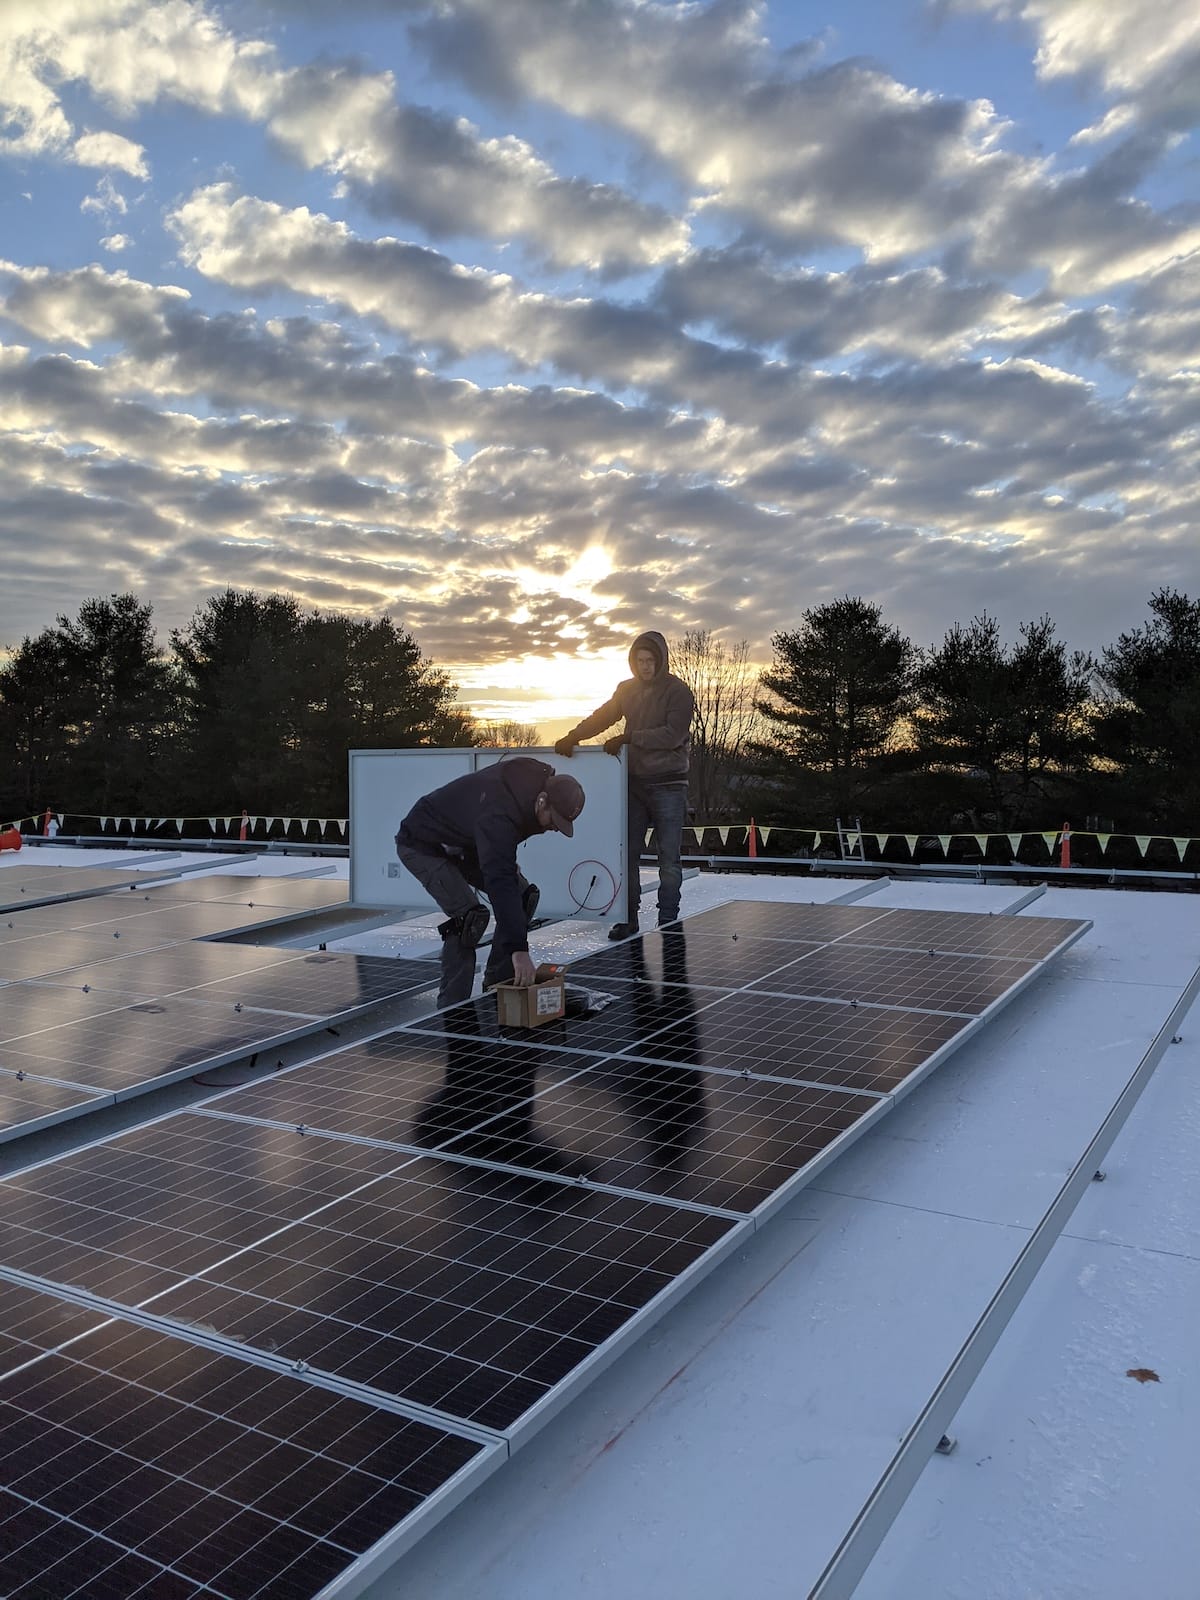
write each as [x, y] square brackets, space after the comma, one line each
[81, 891]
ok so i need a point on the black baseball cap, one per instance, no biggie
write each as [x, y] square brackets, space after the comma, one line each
[565, 796]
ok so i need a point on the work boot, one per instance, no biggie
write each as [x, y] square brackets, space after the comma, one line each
[469, 928]
[622, 930]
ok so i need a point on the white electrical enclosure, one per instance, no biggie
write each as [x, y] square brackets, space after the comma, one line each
[583, 876]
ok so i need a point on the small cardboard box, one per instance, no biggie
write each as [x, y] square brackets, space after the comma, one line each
[529, 1008]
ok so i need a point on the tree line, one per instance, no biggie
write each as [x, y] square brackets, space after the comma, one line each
[853, 720]
[256, 702]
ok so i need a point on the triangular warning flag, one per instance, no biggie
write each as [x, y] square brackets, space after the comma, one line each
[1103, 839]
[324, 821]
[212, 824]
[179, 824]
[646, 840]
[1181, 846]
[1014, 842]
[816, 844]
[881, 841]
[851, 839]
[287, 822]
[910, 840]
[944, 840]
[1051, 840]
[764, 834]
[1142, 840]
[103, 824]
[343, 822]
[270, 823]
[722, 834]
[981, 839]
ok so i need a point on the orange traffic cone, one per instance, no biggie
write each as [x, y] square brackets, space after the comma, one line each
[753, 842]
[1066, 845]
[10, 839]
[245, 825]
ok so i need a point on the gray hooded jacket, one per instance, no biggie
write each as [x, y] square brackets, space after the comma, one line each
[658, 718]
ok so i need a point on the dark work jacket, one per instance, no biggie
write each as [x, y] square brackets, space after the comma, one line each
[486, 814]
[658, 718]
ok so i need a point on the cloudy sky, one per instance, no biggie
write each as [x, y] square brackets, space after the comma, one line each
[533, 323]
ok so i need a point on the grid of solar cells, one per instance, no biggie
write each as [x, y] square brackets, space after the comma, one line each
[458, 1287]
[323, 983]
[27, 1008]
[671, 1131]
[204, 920]
[628, 1013]
[169, 969]
[140, 1465]
[406, 1088]
[287, 893]
[129, 1218]
[100, 910]
[784, 919]
[679, 956]
[909, 978]
[118, 937]
[818, 1041]
[126, 1047]
[42, 954]
[973, 933]
[28, 1103]
[32, 1323]
[27, 886]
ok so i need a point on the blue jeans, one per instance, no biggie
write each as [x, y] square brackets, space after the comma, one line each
[662, 806]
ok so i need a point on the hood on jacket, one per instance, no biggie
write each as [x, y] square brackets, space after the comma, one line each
[649, 641]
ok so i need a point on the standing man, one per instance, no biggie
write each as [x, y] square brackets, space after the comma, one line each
[463, 837]
[657, 708]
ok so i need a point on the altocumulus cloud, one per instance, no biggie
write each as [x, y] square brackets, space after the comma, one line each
[535, 324]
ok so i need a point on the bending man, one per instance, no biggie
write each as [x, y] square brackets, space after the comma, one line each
[657, 708]
[463, 837]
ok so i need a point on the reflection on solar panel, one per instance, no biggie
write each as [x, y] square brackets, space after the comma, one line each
[30, 886]
[136, 1464]
[289, 892]
[474, 1220]
[27, 1104]
[97, 1040]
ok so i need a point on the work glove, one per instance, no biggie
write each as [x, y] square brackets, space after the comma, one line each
[564, 747]
[613, 745]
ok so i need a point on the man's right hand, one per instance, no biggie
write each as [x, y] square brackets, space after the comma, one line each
[523, 969]
[564, 747]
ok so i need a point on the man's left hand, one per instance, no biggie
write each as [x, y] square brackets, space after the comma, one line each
[523, 969]
[613, 745]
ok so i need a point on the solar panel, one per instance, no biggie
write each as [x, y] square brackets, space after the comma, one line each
[29, 1104]
[127, 1048]
[139, 1465]
[406, 1088]
[166, 969]
[259, 890]
[33, 1323]
[812, 1041]
[676, 956]
[784, 919]
[28, 886]
[474, 1219]
[323, 983]
[450, 1286]
[913, 979]
[970, 933]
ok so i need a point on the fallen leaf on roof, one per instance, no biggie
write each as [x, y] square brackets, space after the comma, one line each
[1143, 1375]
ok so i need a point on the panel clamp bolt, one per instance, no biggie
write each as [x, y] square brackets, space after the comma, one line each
[946, 1445]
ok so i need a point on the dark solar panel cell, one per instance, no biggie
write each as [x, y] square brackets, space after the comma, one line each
[134, 1452]
[126, 1218]
[32, 1323]
[627, 1013]
[28, 1010]
[969, 933]
[771, 919]
[457, 1287]
[325, 983]
[683, 957]
[845, 1046]
[672, 1131]
[152, 1041]
[407, 1088]
[30, 1103]
[909, 978]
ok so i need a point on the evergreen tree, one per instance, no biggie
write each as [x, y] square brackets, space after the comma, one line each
[1146, 724]
[839, 690]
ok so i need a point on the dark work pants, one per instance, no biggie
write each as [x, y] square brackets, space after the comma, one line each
[452, 881]
[663, 807]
